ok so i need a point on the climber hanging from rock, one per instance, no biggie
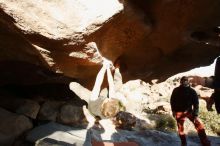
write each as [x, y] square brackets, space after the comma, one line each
[101, 106]
[98, 105]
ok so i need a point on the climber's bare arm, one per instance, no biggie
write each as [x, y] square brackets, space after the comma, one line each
[98, 82]
[111, 83]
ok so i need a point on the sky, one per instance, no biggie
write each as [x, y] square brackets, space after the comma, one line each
[205, 71]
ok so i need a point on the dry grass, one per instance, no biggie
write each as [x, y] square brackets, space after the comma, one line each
[166, 123]
[211, 120]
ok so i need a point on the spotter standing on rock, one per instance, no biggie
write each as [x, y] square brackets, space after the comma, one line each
[185, 104]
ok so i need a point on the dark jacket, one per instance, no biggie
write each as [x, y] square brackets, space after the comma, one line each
[183, 99]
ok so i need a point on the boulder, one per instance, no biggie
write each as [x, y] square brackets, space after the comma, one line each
[29, 108]
[54, 133]
[20, 105]
[71, 115]
[12, 126]
[49, 111]
[57, 134]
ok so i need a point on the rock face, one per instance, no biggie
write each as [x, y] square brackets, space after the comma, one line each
[55, 134]
[152, 39]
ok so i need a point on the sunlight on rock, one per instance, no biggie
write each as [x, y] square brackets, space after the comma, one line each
[69, 15]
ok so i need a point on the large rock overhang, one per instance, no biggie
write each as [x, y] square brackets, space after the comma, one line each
[152, 39]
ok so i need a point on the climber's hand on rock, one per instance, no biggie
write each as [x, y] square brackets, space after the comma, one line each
[107, 63]
[112, 67]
